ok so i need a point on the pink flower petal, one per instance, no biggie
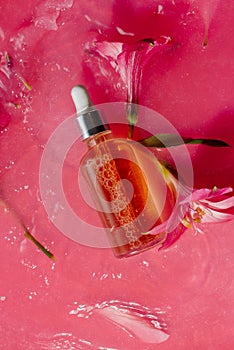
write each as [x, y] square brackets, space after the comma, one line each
[206, 193]
[200, 194]
[173, 236]
[196, 196]
[220, 192]
[158, 229]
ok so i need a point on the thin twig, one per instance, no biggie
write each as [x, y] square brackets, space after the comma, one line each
[28, 235]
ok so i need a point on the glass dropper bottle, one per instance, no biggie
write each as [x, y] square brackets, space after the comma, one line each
[110, 164]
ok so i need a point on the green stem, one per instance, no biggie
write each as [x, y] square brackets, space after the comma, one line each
[132, 111]
[29, 236]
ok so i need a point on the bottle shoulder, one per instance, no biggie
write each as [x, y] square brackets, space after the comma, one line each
[113, 144]
[122, 148]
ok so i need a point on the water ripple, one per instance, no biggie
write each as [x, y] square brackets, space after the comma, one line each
[136, 320]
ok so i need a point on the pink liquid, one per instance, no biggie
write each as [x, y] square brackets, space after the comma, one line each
[88, 299]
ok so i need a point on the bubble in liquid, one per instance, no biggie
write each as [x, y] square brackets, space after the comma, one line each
[108, 177]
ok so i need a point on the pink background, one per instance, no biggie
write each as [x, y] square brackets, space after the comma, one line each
[189, 287]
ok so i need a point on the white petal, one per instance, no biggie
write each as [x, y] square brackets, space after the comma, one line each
[224, 204]
[215, 216]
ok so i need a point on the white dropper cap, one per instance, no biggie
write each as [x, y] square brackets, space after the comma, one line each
[88, 117]
[80, 98]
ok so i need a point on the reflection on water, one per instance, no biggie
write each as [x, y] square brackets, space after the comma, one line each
[66, 341]
[137, 320]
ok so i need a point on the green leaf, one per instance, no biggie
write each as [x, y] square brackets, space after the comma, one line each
[171, 140]
[207, 142]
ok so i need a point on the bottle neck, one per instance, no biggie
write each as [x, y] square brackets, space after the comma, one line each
[98, 138]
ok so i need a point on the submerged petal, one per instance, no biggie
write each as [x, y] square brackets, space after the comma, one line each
[107, 50]
[129, 58]
[173, 236]
[157, 229]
